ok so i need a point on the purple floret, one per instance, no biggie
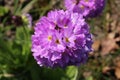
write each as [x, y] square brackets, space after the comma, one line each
[99, 6]
[61, 39]
[88, 8]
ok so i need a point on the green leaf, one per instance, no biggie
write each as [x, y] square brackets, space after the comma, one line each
[3, 10]
[28, 6]
[89, 78]
[72, 72]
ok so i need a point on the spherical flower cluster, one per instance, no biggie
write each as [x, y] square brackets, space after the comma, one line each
[89, 8]
[60, 39]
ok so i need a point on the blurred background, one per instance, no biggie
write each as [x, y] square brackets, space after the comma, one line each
[17, 20]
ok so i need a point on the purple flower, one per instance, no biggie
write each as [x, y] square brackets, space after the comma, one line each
[88, 8]
[99, 6]
[61, 39]
[27, 18]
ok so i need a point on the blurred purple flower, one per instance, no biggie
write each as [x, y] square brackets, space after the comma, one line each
[61, 39]
[27, 19]
[88, 8]
[98, 8]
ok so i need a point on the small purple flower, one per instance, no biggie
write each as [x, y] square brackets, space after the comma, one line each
[61, 39]
[99, 6]
[88, 8]
[27, 18]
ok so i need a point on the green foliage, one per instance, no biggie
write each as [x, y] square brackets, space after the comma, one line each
[3, 10]
[72, 73]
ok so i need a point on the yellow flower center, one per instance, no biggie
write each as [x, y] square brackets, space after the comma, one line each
[82, 7]
[66, 39]
[86, 0]
[49, 38]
